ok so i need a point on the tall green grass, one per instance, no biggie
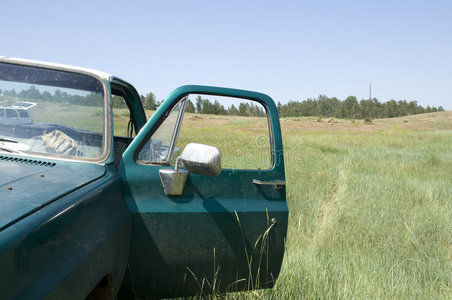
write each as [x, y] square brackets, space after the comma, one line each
[370, 209]
[370, 215]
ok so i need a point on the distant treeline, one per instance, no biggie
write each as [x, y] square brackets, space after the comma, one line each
[321, 106]
[205, 106]
[91, 99]
[350, 108]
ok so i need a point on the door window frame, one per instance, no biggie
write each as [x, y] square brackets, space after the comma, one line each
[178, 125]
[131, 159]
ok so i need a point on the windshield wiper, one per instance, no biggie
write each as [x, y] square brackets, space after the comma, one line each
[10, 150]
[8, 140]
[2, 148]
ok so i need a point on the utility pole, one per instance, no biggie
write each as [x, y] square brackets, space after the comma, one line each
[370, 100]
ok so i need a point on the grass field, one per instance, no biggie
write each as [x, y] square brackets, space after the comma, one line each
[370, 207]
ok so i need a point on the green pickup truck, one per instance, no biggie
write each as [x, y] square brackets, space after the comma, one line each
[97, 201]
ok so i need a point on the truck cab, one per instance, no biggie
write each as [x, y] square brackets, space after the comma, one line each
[104, 201]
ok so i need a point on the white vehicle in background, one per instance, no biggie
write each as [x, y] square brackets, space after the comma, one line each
[16, 114]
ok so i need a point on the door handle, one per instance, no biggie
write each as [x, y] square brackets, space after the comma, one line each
[279, 184]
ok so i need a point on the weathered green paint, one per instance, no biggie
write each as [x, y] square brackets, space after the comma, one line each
[23, 193]
[62, 250]
[66, 224]
[214, 224]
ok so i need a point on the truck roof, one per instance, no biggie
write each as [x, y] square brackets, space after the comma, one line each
[38, 63]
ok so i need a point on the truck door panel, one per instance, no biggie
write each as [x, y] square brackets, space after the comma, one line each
[224, 233]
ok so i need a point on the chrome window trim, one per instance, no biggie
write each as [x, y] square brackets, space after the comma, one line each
[174, 136]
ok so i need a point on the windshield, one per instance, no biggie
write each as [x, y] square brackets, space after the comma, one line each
[51, 112]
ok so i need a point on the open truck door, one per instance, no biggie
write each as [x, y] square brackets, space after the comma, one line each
[206, 226]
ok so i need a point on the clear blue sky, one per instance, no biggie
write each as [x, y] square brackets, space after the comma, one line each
[290, 50]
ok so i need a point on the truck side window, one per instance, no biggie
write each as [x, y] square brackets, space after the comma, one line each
[239, 128]
[122, 125]
[121, 115]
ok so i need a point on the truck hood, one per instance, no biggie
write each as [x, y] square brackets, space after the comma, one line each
[26, 184]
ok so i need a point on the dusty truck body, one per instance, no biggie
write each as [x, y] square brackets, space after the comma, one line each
[85, 212]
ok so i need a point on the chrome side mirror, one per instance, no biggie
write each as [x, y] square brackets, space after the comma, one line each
[197, 159]
[201, 159]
